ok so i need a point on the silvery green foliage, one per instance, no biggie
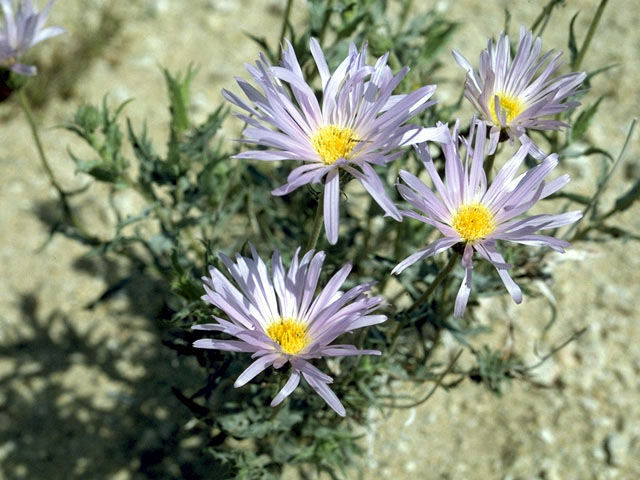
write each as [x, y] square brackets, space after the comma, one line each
[203, 202]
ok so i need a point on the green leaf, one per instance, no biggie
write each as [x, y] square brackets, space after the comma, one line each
[584, 120]
[574, 197]
[319, 12]
[573, 46]
[598, 71]
[627, 199]
[178, 87]
[262, 42]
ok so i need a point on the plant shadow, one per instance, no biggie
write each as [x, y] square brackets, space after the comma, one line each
[71, 408]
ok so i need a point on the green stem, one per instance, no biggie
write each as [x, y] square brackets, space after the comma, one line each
[423, 298]
[317, 225]
[406, 8]
[488, 166]
[578, 234]
[397, 248]
[544, 15]
[285, 21]
[446, 372]
[436, 281]
[24, 103]
[70, 216]
[590, 34]
[325, 22]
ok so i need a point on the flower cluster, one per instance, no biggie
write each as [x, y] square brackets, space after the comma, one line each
[357, 124]
[508, 96]
[470, 212]
[277, 317]
[21, 31]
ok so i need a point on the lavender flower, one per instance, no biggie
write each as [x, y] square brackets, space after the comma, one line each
[468, 212]
[508, 96]
[275, 317]
[359, 123]
[21, 32]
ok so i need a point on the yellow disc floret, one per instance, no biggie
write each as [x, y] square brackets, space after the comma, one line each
[333, 142]
[289, 333]
[512, 107]
[473, 222]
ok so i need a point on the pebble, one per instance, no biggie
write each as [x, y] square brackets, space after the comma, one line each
[615, 447]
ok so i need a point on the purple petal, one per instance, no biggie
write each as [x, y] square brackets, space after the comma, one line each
[428, 202]
[498, 261]
[436, 247]
[257, 367]
[302, 175]
[288, 388]
[372, 183]
[463, 294]
[228, 345]
[321, 63]
[332, 205]
[438, 134]
[346, 350]
[319, 384]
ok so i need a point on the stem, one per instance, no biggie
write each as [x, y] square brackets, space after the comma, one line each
[325, 22]
[365, 250]
[436, 385]
[285, 21]
[317, 225]
[602, 186]
[397, 247]
[488, 166]
[544, 15]
[590, 33]
[436, 281]
[24, 103]
[406, 7]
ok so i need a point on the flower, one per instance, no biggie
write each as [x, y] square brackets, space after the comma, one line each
[275, 317]
[508, 96]
[468, 212]
[21, 32]
[358, 124]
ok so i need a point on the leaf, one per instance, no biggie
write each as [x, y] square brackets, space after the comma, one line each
[617, 232]
[574, 197]
[598, 151]
[262, 41]
[627, 199]
[178, 88]
[318, 15]
[573, 46]
[598, 71]
[584, 120]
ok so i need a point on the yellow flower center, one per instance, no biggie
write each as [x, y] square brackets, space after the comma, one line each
[333, 142]
[512, 107]
[473, 221]
[9, 62]
[289, 333]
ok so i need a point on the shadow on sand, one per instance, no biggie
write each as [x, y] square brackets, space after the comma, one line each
[138, 429]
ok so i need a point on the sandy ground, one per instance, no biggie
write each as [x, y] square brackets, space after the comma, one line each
[85, 393]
